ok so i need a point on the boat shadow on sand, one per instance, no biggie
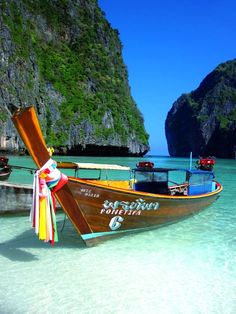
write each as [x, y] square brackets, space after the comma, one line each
[17, 248]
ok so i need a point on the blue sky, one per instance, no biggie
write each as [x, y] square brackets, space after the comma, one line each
[168, 48]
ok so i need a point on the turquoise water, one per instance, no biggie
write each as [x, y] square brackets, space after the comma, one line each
[188, 267]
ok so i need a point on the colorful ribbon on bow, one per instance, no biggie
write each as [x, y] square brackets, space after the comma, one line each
[47, 181]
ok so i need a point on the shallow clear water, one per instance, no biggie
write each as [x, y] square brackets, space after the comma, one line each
[188, 267]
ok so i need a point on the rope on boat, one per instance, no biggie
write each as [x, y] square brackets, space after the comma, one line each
[64, 222]
[32, 170]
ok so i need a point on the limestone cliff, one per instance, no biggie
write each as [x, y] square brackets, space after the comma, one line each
[65, 58]
[204, 121]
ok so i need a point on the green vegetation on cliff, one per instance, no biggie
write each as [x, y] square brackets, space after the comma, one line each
[79, 54]
[204, 120]
[216, 90]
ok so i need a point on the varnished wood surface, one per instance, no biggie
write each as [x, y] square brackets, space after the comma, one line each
[27, 124]
[170, 208]
[66, 165]
[83, 201]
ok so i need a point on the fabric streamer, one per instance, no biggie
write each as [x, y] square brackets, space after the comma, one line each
[47, 181]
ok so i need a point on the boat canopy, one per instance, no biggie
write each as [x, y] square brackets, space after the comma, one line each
[86, 165]
[92, 166]
[166, 170]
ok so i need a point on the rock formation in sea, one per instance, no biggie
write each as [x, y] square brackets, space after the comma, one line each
[66, 59]
[204, 121]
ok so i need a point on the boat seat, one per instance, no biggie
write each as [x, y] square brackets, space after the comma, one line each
[152, 187]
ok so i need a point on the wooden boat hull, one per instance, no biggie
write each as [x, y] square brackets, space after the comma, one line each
[98, 211]
[15, 198]
[110, 211]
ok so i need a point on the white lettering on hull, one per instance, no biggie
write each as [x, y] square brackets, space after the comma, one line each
[115, 222]
[138, 205]
[125, 208]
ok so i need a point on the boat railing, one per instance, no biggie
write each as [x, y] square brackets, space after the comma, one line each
[179, 189]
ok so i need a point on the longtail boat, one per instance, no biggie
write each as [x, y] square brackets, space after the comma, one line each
[100, 209]
[5, 169]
